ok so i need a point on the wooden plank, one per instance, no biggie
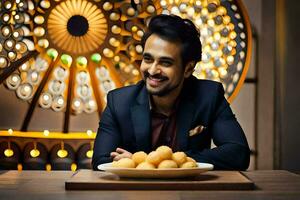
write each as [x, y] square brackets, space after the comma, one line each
[31, 184]
[214, 180]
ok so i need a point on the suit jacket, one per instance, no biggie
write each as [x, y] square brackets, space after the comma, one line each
[126, 123]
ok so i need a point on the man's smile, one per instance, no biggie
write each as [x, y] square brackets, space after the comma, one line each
[154, 82]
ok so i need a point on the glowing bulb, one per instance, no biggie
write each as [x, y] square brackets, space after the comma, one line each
[15, 79]
[116, 29]
[89, 132]
[46, 132]
[163, 3]
[135, 72]
[2, 60]
[6, 18]
[108, 53]
[139, 48]
[140, 33]
[46, 97]
[60, 101]
[150, 9]
[39, 19]
[114, 16]
[8, 6]
[10, 131]
[34, 75]
[77, 103]
[45, 4]
[92, 103]
[6, 31]
[18, 46]
[24, 67]
[9, 43]
[191, 11]
[175, 10]
[107, 6]
[130, 11]
[26, 88]
[117, 58]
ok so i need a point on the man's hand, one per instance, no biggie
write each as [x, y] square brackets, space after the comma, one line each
[120, 153]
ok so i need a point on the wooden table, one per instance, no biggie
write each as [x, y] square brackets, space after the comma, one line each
[51, 185]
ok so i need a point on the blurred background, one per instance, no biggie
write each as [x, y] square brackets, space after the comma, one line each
[58, 60]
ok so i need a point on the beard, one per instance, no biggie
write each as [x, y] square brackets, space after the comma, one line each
[163, 90]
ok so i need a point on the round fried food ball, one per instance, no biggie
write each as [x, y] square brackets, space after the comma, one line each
[154, 158]
[145, 165]
[167, 164]
[165, 152]
[139, 157]
[179, 157]
[114, 164]
[189, 164]
[190, 159]
[125, 163]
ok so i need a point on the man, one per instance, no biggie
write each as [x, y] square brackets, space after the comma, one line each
[170, 106]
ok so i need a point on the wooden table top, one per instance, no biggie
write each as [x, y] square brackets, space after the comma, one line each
[271, 184]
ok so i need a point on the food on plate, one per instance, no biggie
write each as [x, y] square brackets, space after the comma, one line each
[139, 157]
[162, 158]
[154, 158]
[124, 163]
[167, 164]
[190, 159]
[188, 164]
[179, 157]
[165, 152]
[145, 165]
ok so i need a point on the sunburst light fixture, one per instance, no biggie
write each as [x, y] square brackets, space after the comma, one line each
[66, 55]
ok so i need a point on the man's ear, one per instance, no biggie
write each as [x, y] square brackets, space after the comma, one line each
[189, 69]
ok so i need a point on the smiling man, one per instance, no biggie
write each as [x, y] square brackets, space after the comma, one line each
[170, 106]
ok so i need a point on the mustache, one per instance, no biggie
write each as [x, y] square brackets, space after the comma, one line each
[156, 76]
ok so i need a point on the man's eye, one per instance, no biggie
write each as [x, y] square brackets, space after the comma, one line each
[166, 63]
[147, 59]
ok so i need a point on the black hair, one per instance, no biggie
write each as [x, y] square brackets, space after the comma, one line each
[175, 29]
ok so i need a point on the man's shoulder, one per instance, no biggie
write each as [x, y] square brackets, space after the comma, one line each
[204, 85]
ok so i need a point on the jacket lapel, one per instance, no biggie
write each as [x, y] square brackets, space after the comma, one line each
[184, 119]
[185, 115]
[140, 116]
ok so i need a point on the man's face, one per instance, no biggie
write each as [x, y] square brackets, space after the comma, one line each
[161, 66]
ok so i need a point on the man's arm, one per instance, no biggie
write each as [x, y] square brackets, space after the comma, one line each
[108, 136]
[232, 151]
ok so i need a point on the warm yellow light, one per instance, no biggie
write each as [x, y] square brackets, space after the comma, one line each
[46, 133]
[89, 153]
[62, 153]
[73, 167]
[10, 131]
[89, 132]
[107, 6]
[34, 153]
[8, 153]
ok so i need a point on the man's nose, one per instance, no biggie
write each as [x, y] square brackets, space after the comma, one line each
[154, 69]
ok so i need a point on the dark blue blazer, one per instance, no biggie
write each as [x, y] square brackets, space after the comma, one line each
[126, 123]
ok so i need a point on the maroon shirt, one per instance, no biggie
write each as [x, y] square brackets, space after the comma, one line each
[163, 129]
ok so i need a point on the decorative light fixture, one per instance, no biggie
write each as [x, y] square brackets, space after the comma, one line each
[87, 48]
[66, 55]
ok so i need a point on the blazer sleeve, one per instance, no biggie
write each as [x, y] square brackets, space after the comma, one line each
[232, 151]
[108, 136]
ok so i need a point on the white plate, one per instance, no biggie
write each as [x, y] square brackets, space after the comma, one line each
[156, 173]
